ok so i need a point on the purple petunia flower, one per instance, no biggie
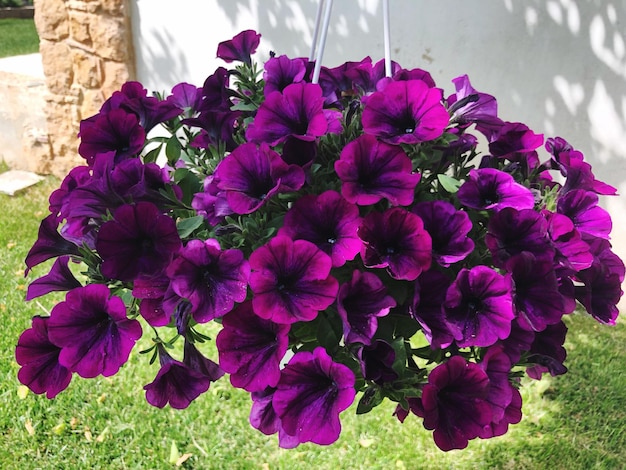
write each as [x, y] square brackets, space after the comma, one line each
[150, 111]
[312, 391]
[582, 208]
[478, 307]
[281, 72]
[365, 76]
[240, 47]
[264, 418]
[60, 278]
[250, 175]
[328, 221]
[511, 232]
[571, 252]
[454, 403]
[579, 175]
[185, 96]
[111, 186]
[152, 291]
[194, 359]
[601, 288]
[116, 131]
[503, 397]
[429, 294]
[41, 370]
[396, 240]
[405, 112]
[470, 106]
[448, 229]
[547, 352]
[515, 141]
[298, 112]
[175, 383]
[377, 361]
[359, 302]
[93, 331]
[371, 170]
[138, 240]
[537, 299]
[251, 348]
[291, 280]
[49, 244]
[212, 280]
[491, 189]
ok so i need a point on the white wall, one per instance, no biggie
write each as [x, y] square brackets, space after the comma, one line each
[557, 65]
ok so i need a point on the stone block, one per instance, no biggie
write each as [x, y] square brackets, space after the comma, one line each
[79, 26]
[111, 38]
[57, 65]
[52, 19]
[91, 103]
[87, 69]
[115, 75]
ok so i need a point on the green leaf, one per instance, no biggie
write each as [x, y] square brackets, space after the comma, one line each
[173, 149]
[371, 398]
[186, 226]
[152, 155]
[329, 331]
[449, 183]
[241, 106]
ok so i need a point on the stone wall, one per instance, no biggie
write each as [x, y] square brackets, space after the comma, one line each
[87, 54]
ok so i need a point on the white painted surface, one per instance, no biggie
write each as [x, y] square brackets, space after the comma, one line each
[557, 65]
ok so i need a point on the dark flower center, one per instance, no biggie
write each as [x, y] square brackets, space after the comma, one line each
[491, 198]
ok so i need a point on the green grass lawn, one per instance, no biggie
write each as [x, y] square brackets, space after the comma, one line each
[577, 421]
[17, 37]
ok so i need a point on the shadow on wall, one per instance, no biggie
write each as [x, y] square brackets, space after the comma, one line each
[557, 65]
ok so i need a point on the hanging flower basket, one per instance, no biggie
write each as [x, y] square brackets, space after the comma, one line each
[348, 237]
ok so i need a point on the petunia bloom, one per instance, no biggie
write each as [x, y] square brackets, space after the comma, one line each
[49, 244]
[281, 72]
[396, 240]
[405, 112]
[360, 302]
[251, 348]
[312, 391]
[116, 131]
[589, 218]
[448, 228]
[175, 383]
[428, 297]
[93, 331]
[41, 370]
[212, 280]
[537, 299]
[454, 403]
[138, 240]
[470, 106]
[491, 189]
[60, 278]
[327, 220]
[511, 232]
[240, 47]
[371, 170]
[250, 175]
[547, 352]
[264, 418]
[291, 280]
[297, 111]
[478, 307]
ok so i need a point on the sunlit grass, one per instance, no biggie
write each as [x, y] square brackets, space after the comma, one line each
[18, 36]
[570, 422]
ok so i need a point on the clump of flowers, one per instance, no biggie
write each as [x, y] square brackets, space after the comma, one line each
[348, 237]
